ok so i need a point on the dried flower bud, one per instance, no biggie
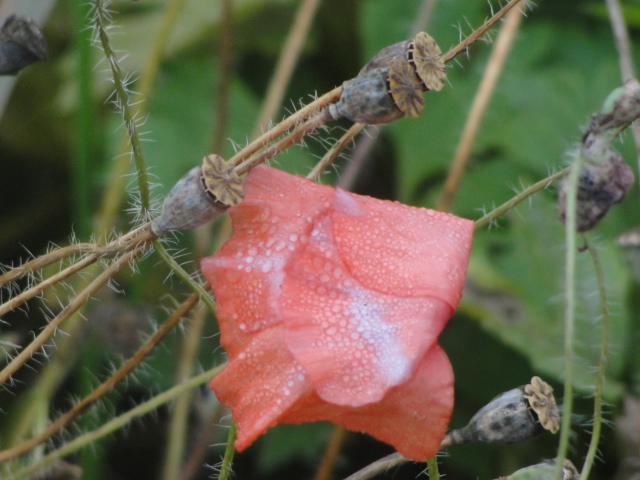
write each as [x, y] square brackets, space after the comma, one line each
[21, 44]
[204, 193]
[366, 99]
[387, 56]
[600, 186]
[405, 88]
[511, 417]
[620, 108]
[544, 470]
[425, 54]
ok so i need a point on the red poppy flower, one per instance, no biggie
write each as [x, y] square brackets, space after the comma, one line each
[330, 305]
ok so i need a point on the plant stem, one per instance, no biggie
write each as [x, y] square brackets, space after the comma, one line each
[570, 312]
[432, 468]
[330, 454]
[526, 193]
[479, 106]
[122, 101]
[229, 452]
[286, 63]
[116, 423]
[602, 363]
[379, 466]
[66, 312]
[334, 151]
[107, 385]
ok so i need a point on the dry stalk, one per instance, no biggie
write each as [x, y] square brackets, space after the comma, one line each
[107, 385]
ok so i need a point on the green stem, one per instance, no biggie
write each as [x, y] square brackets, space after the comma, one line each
[101, 20]
[570, 312]
[85, 124]
[526, 193]
[184, 276]
[432, 468]
[229, 452]
[604, 352]
[115, 424]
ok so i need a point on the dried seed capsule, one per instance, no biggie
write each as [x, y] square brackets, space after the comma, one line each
[544, 470]
[387, 56]
[366, 99]
[204, 193]
[511, 417]
[21, 44]
[600, 186]
[405, 88]
[426, 55]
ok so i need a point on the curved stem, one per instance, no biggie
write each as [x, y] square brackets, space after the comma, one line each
[106, 386]
[66, 312]
[116, 423]
[526, 193]
[604, 352]
[335, 150]
[570, 312]
[379, 466]
[479, 106]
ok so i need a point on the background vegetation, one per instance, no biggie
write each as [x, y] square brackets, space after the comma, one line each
[61, 148]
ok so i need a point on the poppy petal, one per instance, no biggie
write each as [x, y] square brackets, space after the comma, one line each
[401, 250]
[413, 417]
[272, 222]
[354, 343]
[259, 384]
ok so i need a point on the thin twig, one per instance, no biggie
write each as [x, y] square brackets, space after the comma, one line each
[66, 312]
[478, 33]
[267, 137]
[116, 423]
[570, 312]
[330, 454]
[479, 107]
[602, 363]
[379, 466]
[335, 150]
[625, 59]
[286, 63]
[314, 122]
[100, 20]
[107, 385]
[229, 452]
[522, 196]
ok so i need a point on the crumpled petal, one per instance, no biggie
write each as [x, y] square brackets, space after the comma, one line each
[402, 250]
[329, 307]
[354, 343]
[413, 417]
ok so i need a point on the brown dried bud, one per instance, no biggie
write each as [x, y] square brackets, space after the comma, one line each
[387, 56]
[600, 186]
[366, 99]
[21, 44]
[203, 194]
[511, 417]
[425, 54]
[405, 88]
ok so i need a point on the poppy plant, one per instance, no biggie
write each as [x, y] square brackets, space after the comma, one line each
[330, 305]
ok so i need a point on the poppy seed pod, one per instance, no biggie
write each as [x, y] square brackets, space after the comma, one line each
[387, 56]
[544, 470]
[366, 99]
[203, 194]
[425, 54]
[21, 44]
[601, 185]
[512, 417]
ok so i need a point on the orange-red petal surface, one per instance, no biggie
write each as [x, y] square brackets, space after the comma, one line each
[413, 417]
[329, 306]
[354, 343]
[402, 250]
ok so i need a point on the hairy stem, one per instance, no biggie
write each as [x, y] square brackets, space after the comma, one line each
[602, 364]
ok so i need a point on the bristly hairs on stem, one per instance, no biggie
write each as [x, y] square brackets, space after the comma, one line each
[101, 20]
[597, 402]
